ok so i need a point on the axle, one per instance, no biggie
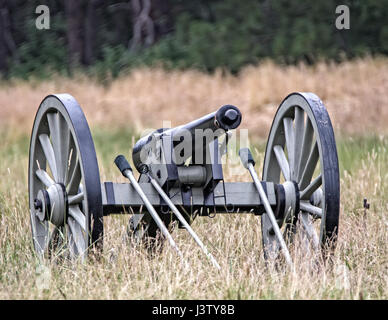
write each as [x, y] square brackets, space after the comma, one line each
[241, 197]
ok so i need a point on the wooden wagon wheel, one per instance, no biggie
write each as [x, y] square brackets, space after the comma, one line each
[64, 183]
[301, 148]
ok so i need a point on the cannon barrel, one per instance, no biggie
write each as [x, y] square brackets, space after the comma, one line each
[225, 118]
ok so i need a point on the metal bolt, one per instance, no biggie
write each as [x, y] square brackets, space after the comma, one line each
[186, 188]
[143, 169]
[38, 205]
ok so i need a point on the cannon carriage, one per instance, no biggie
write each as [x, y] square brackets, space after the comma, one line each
[181, 178]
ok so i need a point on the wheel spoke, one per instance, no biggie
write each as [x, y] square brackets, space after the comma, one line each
[78, 216]
[39, 233]
[76, 237]
[310, 189]
[306, 147]
[290, 143]
[71, 160]
[72, 187]
[76, 199]
[60, 136]
[65, 144]
[56, 238]
[44, 177]
[310, 167]
[282, 161]
[308, 207]
[54, 126]
[299, 132]
[49, 153]
[309, 229]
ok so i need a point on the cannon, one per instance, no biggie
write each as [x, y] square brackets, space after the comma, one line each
[181, 178]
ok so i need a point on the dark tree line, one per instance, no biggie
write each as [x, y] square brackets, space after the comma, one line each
[107, 37]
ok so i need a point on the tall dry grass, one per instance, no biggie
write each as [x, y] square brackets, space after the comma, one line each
[359, 268]
[355, 94]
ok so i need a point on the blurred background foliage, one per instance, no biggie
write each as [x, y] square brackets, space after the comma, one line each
[108, 38]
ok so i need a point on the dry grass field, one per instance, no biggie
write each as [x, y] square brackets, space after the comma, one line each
[356, 95]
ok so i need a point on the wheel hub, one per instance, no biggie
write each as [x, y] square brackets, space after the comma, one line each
[287, 198]
[52, 204]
